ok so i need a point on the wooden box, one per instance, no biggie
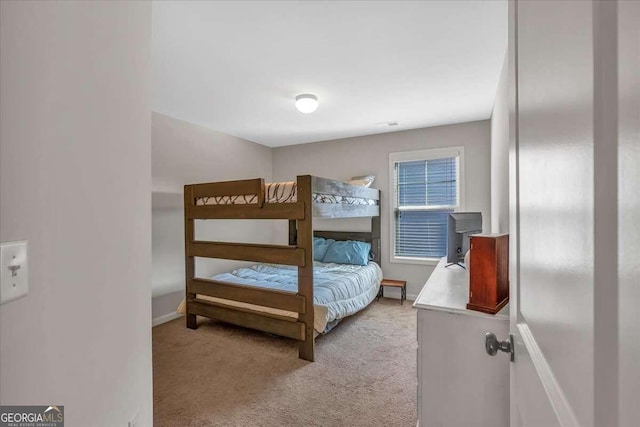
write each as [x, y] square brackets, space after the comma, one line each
[489, 272]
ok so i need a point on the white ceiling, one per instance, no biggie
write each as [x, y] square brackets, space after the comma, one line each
[236, 67]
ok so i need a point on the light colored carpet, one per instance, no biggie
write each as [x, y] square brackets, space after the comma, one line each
[222, 375]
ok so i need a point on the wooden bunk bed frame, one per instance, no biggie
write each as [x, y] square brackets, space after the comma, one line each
[298, 253]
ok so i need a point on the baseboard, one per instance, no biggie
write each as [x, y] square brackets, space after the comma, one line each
[164, 319]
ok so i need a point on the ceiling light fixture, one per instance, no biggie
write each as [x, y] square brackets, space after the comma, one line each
[306, 103]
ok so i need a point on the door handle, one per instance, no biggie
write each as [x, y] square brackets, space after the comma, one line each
[492, 345]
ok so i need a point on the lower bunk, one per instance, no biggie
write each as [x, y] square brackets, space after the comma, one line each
[340, 290]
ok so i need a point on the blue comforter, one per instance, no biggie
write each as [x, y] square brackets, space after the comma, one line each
[339, 289]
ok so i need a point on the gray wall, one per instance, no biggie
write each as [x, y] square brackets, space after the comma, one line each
[344, 158]
[500, 155]
[184, 153]
[75, 181]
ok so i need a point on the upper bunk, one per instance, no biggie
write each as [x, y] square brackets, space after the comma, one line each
[253, 198]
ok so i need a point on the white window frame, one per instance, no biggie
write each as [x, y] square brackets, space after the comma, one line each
[428, 154]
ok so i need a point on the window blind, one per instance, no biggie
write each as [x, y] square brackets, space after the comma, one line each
[426, 192]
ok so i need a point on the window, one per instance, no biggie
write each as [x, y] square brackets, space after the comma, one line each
[426, 187]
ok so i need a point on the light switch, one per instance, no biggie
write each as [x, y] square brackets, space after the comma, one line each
[14, 280]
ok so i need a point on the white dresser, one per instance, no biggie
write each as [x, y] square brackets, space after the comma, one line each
[459, 385]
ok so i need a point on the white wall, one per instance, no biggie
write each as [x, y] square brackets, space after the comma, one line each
[167, 259]
[344, 158]
[184, 153]
[500, 155]
[75, 180]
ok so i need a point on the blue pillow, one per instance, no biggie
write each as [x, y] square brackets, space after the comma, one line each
[348, 252]
[320, 246]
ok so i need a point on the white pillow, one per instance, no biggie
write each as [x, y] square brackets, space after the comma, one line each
[364, 181]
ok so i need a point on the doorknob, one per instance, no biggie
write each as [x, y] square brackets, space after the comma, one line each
[492, 345]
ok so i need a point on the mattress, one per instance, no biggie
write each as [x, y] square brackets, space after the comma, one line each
[340, 290]
[281, 192]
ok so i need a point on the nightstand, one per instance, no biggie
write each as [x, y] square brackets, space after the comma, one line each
[402, 284]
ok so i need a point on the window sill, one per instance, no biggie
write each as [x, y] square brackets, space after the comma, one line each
[415, 261]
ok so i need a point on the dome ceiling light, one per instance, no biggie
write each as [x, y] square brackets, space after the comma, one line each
[306, 103]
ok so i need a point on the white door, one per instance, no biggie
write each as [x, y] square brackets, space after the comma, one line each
[567, 211]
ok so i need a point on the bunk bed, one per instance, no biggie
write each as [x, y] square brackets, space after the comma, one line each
[298, 202]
